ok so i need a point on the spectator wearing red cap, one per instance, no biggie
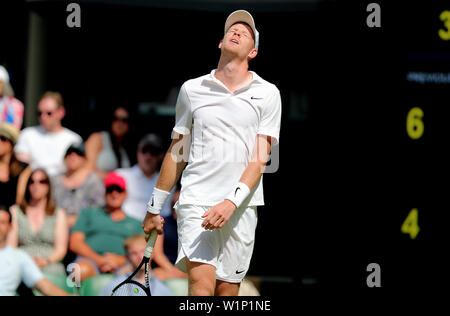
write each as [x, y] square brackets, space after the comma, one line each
[98, 235]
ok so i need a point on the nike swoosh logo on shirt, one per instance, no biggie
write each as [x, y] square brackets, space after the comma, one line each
[255, 98]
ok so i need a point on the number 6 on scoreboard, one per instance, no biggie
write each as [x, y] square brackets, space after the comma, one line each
[414, 123]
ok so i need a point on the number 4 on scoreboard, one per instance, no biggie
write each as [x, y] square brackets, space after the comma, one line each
[411, 224]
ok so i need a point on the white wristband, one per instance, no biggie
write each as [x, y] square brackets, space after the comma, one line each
[157, 201]
[239, 194]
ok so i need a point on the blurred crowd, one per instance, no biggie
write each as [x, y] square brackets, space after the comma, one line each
[64, 200]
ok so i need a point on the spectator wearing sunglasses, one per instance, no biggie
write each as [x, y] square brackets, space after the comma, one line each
[39, 226]
[106, 150]
[44, 146]
[99, 233]
[13, 173]
[141, 178]
[79, 187]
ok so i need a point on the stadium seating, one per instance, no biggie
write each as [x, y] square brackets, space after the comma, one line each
[93, 286]
[178, 286]
[59, 280]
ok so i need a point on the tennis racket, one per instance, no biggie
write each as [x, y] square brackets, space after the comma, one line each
[130, 287]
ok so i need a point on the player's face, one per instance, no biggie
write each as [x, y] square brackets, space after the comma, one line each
[239, 40]
[5, 225]
[50, 115]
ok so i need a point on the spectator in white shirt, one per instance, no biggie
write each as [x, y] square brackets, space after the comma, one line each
[141, 178]
[44, 146]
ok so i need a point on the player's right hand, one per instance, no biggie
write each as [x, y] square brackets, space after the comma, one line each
[151, 222]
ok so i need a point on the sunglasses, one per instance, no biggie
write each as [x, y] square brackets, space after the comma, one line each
[121, 119]
[113, 188]
[48, 113]
[43, 181]
[148, 149]
[4, 139]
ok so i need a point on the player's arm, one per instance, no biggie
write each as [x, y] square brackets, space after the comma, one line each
[257, 165]
[174, 162]
[219, 214]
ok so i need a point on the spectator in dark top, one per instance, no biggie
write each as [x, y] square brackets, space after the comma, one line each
[13, 173]
[98, 235]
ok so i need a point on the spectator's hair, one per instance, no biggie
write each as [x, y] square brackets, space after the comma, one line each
[113, 139]
[50, 207]
[55, 96]
[131, 240]
[5, 209]
[8, 91]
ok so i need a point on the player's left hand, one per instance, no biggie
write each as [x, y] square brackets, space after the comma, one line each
[218, 215]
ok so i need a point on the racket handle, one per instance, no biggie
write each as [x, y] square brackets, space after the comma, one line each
[151, 243]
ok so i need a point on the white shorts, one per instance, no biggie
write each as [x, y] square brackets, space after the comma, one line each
[229, 249]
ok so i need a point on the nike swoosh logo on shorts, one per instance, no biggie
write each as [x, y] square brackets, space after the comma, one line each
[239, 272]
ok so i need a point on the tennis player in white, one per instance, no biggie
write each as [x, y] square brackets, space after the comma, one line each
[226, 123]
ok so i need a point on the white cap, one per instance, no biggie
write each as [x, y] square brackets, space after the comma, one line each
[4, 74]
[242, 16]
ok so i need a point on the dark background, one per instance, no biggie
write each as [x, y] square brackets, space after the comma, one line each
[349, 174]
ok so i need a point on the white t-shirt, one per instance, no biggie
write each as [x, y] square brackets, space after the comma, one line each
[16, 266]
[139, 188]
[46, 150]
[223, 126]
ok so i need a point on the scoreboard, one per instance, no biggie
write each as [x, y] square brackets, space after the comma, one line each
[397, 124]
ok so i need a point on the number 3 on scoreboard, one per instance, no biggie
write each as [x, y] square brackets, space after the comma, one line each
[411, 224]
[444, 34]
